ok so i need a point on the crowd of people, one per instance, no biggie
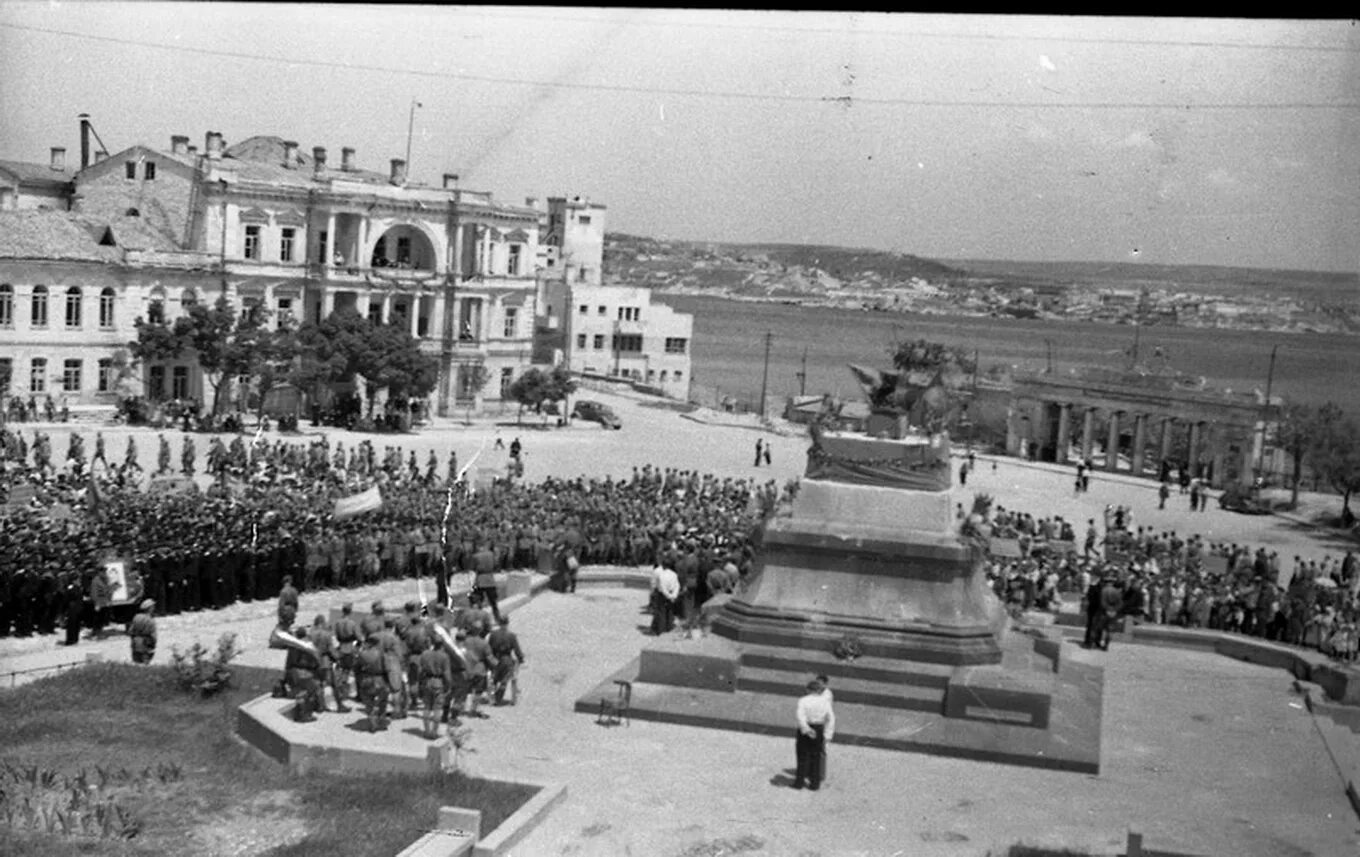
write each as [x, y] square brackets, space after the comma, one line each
[1167, 578]
[271, 512]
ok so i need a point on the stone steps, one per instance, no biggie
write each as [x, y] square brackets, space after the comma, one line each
[792, 684]
[865, 668]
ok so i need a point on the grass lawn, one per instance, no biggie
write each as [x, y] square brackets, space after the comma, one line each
[114, 759]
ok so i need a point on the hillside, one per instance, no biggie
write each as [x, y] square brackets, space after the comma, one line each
[876, 280]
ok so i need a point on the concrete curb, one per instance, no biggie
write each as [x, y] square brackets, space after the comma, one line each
[512, 831]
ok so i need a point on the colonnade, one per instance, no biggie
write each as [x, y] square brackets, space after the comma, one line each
[1212, 447]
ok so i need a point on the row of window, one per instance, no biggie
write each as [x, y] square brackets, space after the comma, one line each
[636, 375]
[38, 307]
[626, 313]
[72, 373]
[148, 170]
[287, 243]
[631, 342]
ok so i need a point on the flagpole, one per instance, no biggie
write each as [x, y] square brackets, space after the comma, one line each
[410, 127]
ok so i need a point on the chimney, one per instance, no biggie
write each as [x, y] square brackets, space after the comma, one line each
[192, 151]
[59, 159]
[450, 181]
[531, 201]
[319, 159]
[347, 159]
[100, 156]
[179, 145]
[290, 148]
[212, 145]
[398, 171]
[84, 140]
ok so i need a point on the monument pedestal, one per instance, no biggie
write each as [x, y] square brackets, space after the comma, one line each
[864, 579]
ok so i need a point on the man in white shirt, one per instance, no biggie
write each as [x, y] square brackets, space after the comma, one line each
[665, 590]
[816, 726]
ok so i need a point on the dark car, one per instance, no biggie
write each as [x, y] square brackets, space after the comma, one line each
[588, 409]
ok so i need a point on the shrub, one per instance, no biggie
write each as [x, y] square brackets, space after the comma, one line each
[198, 671]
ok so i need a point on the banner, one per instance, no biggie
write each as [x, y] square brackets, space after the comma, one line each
[357, 504]
[1005, 548]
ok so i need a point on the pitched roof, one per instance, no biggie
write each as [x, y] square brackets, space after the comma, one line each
[28, 172]
[260, 159]
[37, 234]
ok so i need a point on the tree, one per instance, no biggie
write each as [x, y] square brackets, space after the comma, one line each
[536, 388]
[1292, 433]
[924, 356]
[274, 358]
[346, 345]
[1334, 454]
[224, 340]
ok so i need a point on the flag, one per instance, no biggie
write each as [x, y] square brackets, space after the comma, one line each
[357, 504]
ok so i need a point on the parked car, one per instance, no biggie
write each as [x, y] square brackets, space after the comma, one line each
[597, 412]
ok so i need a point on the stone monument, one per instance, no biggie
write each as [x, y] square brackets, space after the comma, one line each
[867, 577]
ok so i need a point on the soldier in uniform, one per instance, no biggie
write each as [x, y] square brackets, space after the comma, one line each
[509, 658]
[480, 665]
[371, 674]
[74, 602]
[435, 673]
[300, 670]
[143, 633]
[327, 676]
[394, 658]
[484, 566]
[288, 596]
[347, 637]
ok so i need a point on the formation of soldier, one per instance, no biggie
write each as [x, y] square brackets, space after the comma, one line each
[268, 515]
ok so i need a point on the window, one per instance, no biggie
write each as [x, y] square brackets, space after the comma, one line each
[663, 376]
[6, 305]
[70, 376]
[404, 250]
[583, 274]
[599, 342]
[321, 249]
[73, 298]
[149, 171]
[6, 373]
[285, 312]
[155, 383]
[677, 374]
[580, 340]
[630, 342]
[106, 298]
[604, 310]
[512, 267]
[584, 220]
[130, 169]
[187, 299]
[286, 244]
[38, 305]
[630, 313]
[507, 378]
[106, 375]
[584, 309]
[37, 375]
[676, 344]
[252, 248]
[179, 382]
[375, 309]
[511, 319]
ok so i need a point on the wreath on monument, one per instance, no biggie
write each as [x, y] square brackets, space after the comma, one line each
[848, 648]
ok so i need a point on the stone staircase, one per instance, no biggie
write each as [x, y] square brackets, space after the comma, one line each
[882, 682]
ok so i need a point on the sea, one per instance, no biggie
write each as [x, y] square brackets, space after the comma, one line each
[729, 347]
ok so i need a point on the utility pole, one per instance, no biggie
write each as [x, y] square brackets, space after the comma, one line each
[802, 376]
[1265, 412]
[1048, 346]
[765, 378]
[410, 127]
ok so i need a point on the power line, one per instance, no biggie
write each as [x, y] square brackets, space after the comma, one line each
[913, 34]
[845, 100]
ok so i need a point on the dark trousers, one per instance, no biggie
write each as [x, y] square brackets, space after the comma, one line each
[810, 752]
[488, 595]
[663, 614]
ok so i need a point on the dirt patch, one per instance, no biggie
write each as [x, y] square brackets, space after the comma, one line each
[271, 819]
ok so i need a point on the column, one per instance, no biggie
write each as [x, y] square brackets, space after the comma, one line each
[362, 258]
[327, 301]
[384, 308]
[330, 240]
[1167, 426]
[1088, 432]
[456, 267]
[362, 300]
[1012, 435]
[1193, 458]
[1139, 441]
[1112, 443]
[1218, 452]
[413, 311]
[1064, 432]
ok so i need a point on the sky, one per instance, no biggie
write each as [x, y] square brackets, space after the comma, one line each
[1159, 140]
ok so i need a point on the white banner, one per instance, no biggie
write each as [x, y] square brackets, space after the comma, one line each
[357, 504]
